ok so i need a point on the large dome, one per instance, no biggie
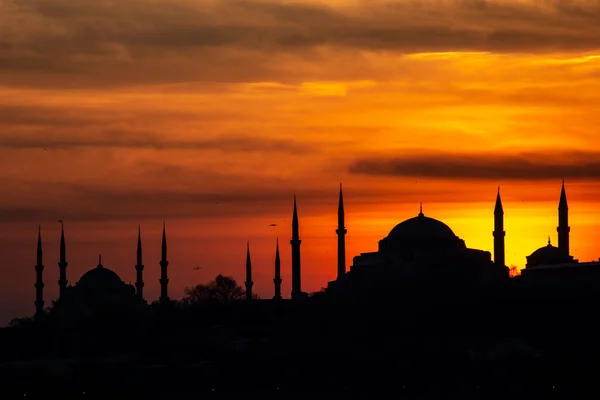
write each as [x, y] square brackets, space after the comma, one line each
[421, 227]
[100, 277]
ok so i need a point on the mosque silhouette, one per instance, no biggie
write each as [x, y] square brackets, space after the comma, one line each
[420, 250]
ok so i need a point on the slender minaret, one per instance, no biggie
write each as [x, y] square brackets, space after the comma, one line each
[499, 232]
[139, 267]
[295, 242]
[563, 222]
[248, 282]
[164, 281]
[341, 234]
[277, 279]
[39, 283]
[62, 264]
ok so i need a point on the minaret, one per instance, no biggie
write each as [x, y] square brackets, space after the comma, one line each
[499, 233]
[341, 234]
[164, 281]
[39, 283]
[139, 267]
[248, 282]
[62, 264]
[295, 242]
[277, 279]
[563, 222]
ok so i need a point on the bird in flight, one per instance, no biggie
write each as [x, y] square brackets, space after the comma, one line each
[273, 225]
[197, 268]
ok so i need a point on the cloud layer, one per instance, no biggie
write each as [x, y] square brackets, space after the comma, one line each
[528, 166]
[107, 43]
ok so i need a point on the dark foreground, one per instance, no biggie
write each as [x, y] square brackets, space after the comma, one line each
[493, 346]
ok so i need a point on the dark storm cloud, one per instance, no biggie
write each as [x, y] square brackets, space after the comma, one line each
[110, 43]
[524, 166]
[149, 140]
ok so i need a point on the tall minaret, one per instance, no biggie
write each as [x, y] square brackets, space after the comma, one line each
[62, 264]
[295, 242]
[139, 267]
[563, 222]
[499, 232]
[39, 283]
[164, 281]
[277, 279]
[341, 233]
[248, 282]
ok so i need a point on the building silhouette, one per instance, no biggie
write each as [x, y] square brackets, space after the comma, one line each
[550, 262]
[341, 234]
[296, 270]
[419, 250]
[277, 278]
[499, 233]
[248, 282]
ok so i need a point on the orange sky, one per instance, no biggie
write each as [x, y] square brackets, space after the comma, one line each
[212, 114]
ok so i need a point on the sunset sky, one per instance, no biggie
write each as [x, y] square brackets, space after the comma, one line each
[212, 114]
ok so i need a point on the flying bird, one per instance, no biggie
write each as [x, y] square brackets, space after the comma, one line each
[273, 225]
[197, 268]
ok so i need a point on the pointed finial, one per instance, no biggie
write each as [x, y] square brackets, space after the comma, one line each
[498, 188]
[420, 209]
[549, 244]
[99, 259]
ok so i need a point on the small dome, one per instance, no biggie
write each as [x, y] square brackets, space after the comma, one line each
[548, 252]
[421, 227]
[548, 255]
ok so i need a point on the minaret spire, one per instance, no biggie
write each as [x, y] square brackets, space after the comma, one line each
[295, 242]
[139, 267]
[277, 279]
[248, 282]
[563, 228]
[341, 234]
[499, 233]
[164, 280]
[62, 264]
[39, 283]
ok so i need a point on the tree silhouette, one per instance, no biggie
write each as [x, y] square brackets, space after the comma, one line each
[222, 289]
[17, 322]
[513, 271]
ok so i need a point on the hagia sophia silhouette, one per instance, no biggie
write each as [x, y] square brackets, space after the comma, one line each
[419, 249]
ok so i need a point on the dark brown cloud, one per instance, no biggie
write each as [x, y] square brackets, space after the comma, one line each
[551, 165]
[240, 196]
[105, 43]
[150, 140]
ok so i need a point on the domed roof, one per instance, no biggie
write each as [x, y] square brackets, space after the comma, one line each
[100, 277]
[548, 252]
[421, 227]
